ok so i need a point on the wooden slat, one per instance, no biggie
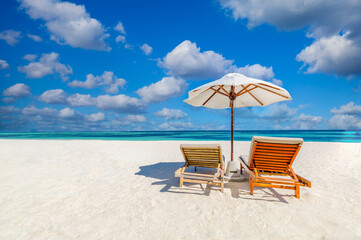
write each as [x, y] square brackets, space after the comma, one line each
[276, 144]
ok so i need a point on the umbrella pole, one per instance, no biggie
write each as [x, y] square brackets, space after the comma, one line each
[232, 130]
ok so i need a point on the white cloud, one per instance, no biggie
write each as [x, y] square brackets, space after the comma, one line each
[48, 64]
[146, 49]
[163, 90]
[256, 71]
[333, 24]
[135, 118]
[4, 65]
[176, 125]
[4, 110]
[347, 117]
[333, 55]
[345, 122]
[279, 112]
[171, 114]
[55, 96]
[306, 122]
[120, 103]
[277, 82]
[67, 113]
[107, 79]
[120, 28]
[68, 23]
[30, 57]
[80, 100]
[120, 38]
[129, 46]
[36, 38]
[187, 61]
[44, 112]
[19, 90]
[96, 117]
[11, 37]
[50, 116]
[350, 108]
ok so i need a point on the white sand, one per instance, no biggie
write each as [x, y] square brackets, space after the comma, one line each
[52, 189]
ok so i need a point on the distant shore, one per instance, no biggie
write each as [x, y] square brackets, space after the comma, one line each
[60, 189]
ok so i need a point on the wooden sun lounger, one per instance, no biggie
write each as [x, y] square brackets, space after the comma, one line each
[274, 157]
[200, 155]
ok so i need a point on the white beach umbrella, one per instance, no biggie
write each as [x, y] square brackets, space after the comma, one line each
[235, 90]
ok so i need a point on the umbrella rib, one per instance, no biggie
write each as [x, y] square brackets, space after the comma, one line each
[269, 86]
[217, 91]
[273, 92]
[211, 96]
[221, 86]
[244, 88]
[247, 90]
[254, 96]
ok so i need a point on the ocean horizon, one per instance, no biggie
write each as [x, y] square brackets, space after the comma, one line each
[216, 135]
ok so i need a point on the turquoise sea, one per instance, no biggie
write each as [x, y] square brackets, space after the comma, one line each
[309, 136]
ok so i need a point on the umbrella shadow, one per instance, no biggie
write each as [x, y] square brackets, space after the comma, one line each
[163, 173]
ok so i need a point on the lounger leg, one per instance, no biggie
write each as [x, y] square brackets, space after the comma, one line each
[297, 191]
[251, 185]
[241, 169]
[222, 187]
[195, 169]
[181, 182]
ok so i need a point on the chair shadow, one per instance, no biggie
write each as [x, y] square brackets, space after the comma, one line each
[164, 173]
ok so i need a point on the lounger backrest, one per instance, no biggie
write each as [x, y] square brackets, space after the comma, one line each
[202, 155]
[273, 154]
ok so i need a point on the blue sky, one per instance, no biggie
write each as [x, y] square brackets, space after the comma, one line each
[128, 65]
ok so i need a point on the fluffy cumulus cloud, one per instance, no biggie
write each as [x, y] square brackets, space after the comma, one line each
[108, 80]
[176, 125]
[66, 118]
[30, 57]
[56, 96]
[147, 50]
[120, 103]
[306, 122]
[19, 90]
[4, 65]
[187, 61]
[334, 26]
[135, 118]
[257, 71]
[171, 114]
[163, 90]
[4, 110]
[35, 38]
[347, 117]
[11, 37]
[120, 28]
[48, 64]
[80, 100]
[120, 38]
[68, 23]
[279, 112]
[96, 117]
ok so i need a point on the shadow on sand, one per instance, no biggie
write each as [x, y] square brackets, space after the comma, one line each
[163, 172]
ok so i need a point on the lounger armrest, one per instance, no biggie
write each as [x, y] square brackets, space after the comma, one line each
[246, 167]
[306, 182]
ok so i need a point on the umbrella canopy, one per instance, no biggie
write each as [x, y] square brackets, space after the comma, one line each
[246, 91]
[235, 90]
